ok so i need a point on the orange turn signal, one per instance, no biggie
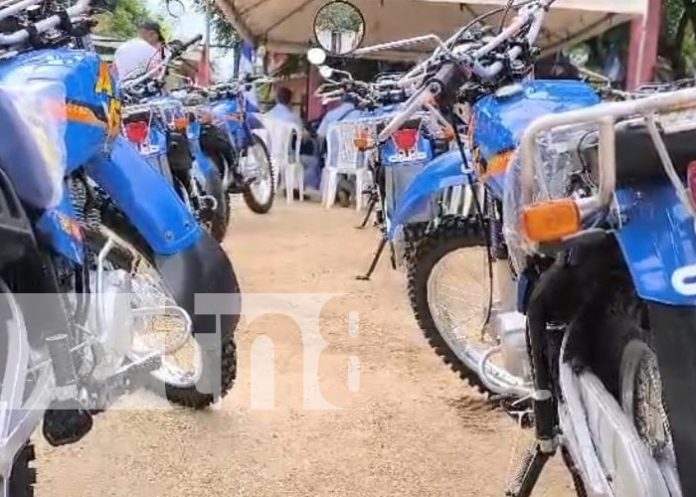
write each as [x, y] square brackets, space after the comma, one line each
[180, 124]
[498, 164]
[362, 141]
[551, 221]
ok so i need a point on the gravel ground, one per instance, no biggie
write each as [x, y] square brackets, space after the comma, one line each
[410, 428]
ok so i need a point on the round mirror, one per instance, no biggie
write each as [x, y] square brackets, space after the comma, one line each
[339, 27]
[325, 72]
[316, 56]
[175, 8]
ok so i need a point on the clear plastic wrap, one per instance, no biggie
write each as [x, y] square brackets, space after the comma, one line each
[558, 154]
[33, 148]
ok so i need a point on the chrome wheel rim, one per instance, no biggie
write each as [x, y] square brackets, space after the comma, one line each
[256, 164]
[180, 352]
[642, 402]
[459, 300]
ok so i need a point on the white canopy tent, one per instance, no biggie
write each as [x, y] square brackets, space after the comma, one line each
[286, 25]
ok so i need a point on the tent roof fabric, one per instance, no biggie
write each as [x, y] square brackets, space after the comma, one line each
[287, 25]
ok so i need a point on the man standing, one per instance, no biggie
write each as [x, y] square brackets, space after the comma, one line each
[140, 54]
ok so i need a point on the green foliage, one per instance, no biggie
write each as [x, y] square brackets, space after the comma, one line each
[339, 16]
[123, 21]
[222, 30]
[677, 41]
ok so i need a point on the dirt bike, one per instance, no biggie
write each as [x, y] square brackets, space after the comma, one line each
[589, 217]
[157, 123]
[101, 262]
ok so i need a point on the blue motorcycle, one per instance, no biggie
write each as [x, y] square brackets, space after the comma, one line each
[100, 256]
[170, 138]
[392, 163]
[237, 148]
[588, 216]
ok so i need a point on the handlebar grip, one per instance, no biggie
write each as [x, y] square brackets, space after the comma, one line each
[446, 76]
[182, 47]
[193, 40]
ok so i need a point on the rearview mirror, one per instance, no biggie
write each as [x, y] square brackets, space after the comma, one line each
[339, 27]
[175, 8]
[316, 56]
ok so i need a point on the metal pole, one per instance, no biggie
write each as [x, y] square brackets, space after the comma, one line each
[208, 22]
[237, 57]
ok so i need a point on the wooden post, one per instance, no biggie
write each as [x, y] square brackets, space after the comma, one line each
[645, 36]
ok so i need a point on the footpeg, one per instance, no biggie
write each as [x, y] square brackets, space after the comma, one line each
[127, 378]
[66, 422]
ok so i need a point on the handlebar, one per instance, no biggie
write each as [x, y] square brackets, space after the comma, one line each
[467, 63]
[41, 26]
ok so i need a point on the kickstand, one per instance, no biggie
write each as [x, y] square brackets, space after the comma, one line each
[526, 479]
[370, 208]
[375, 260]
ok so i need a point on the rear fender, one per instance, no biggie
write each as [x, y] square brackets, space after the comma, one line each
[445, 171]
[144, 196]
[658, 243]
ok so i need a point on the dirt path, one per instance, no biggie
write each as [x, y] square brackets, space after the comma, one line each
[411, 428]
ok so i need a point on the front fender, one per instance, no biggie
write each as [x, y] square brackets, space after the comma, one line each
[658, 243]
[144, 196]
[445, 171]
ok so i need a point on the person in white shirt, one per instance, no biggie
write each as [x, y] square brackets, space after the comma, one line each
[140, 54]
[282, 112]
[338, 113]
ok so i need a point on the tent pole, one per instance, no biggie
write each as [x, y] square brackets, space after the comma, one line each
[645, 34]
[237, 58]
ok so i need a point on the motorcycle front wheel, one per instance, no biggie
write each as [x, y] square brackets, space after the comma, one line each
[186, 359]
[255, 164]
[450, 290]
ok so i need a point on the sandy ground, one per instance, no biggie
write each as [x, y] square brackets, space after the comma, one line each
[407, 426]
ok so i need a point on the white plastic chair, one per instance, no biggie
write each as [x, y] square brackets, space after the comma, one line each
[285, 156]
[342, 157]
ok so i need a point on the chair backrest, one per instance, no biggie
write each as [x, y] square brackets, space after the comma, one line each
[341, 152]
[280, 140]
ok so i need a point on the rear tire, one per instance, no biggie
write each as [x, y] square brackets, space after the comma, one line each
[451, 235]
[221, 214]
[264, 205]
[23, 476]
[626, 346]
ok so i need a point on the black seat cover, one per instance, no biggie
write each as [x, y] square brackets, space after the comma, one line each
[636, 156]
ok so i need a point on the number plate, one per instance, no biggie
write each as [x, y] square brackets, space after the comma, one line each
[407, 156]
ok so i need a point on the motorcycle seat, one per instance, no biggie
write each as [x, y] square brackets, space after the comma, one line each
[636, 155]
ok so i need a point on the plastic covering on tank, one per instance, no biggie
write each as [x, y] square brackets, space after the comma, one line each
[559, 164]
[33, 150]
